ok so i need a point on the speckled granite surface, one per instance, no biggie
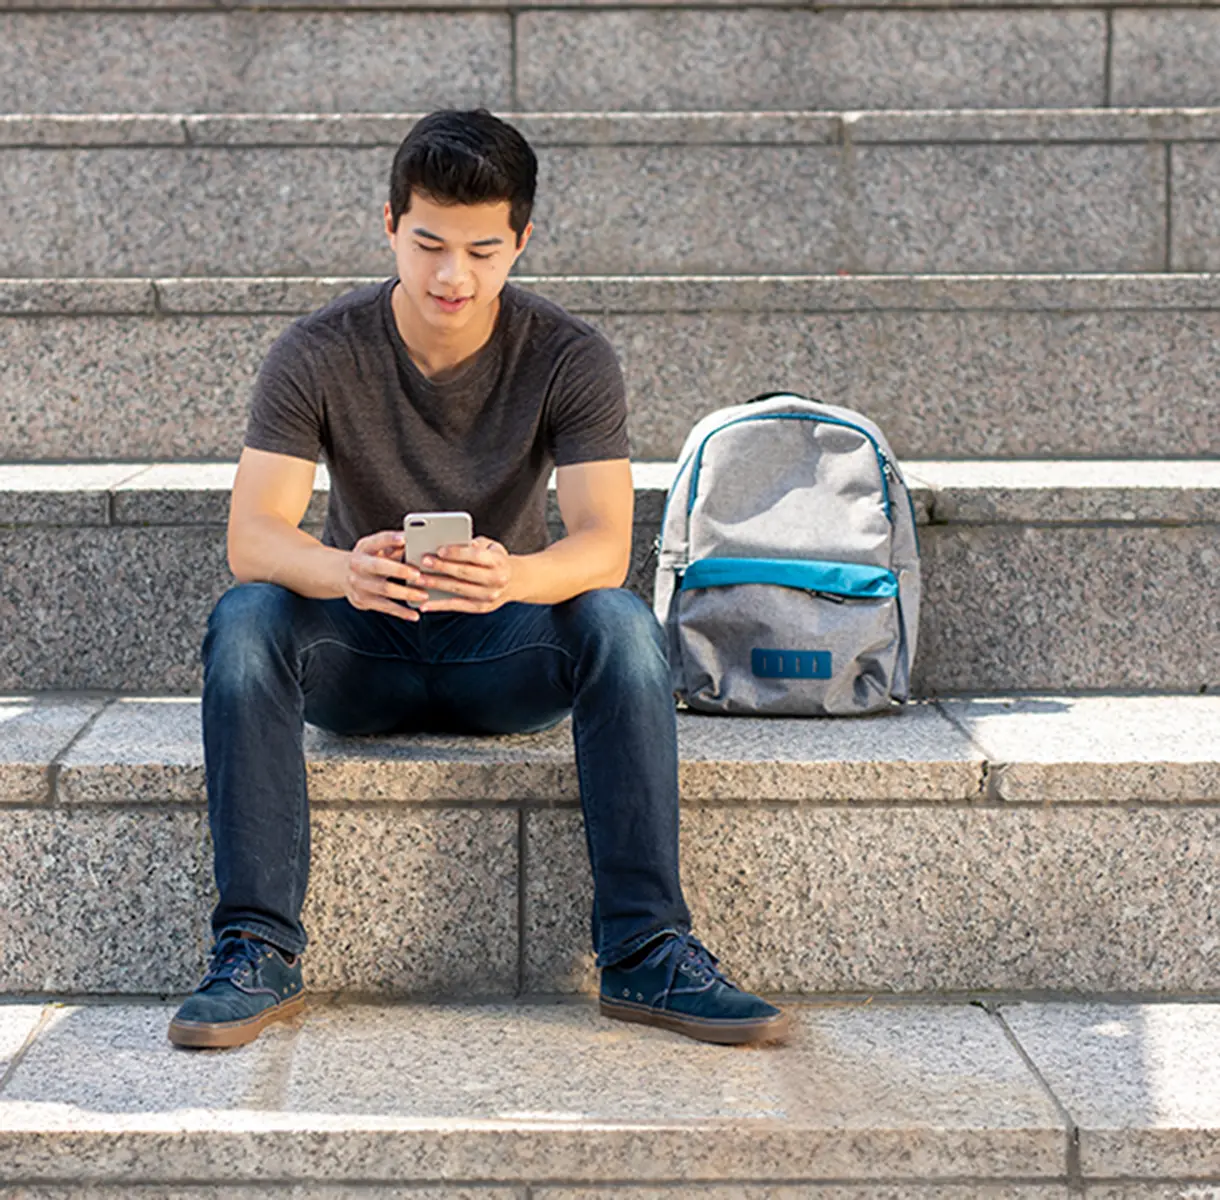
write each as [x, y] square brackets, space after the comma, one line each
[1143, 1083]
[1166, 58]
[34, 732]
[808, 899]
[248, 62]
[798, 60]
[538, 1094]
[1196, 208]
[867, 208]
[946, 366]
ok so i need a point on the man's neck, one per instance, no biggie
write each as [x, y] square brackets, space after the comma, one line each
[435, 355]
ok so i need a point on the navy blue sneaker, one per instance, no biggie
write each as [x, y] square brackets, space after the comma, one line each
[248, 985]
[676, 984]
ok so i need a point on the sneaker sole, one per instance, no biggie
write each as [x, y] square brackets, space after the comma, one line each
[223, 1034]
[724, 1033]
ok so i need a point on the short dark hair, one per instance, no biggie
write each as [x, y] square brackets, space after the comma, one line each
[470, 157]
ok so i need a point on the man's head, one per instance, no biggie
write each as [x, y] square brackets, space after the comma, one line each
[461, 192]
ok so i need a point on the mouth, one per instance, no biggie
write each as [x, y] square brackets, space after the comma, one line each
[451, 306]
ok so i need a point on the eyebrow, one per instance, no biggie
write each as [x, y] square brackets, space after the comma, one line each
[421, 232]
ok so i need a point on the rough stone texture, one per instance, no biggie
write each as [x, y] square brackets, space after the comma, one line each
[150, 751]
[17, 1022]
[860, 208]
[253, 62]
[803, 899]
[1152, 1191]
[129, 387]
[1153, 492]
[1166, 59]
[1097, 748]
[866, 1094]
[1002, 384]
[413, 902]
[1196, 208]
[80, 885]
[102, 901]
[1005, 607]
[1055, 608]
[118, 607]
[803, 60]
[811, 1191]
[34, 732]
[1006, 208]
[83, 297]
[1142, 1083]
[289, 1191]
[31, 494]
[171, 212]
[965, 383]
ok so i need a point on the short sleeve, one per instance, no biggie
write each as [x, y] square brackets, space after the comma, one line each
[286, 409]
[588, 405]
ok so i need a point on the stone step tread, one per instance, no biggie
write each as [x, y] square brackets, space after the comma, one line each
[554, 1094]
[642, 293]
[580, 129]
[79, 749]
[986, 491]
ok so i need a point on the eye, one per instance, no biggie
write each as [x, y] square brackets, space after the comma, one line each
[427, 249]
[474, 255]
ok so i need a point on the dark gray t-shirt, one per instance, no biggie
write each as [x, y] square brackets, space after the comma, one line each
[545, 389]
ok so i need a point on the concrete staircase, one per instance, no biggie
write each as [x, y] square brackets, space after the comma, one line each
[994, 229]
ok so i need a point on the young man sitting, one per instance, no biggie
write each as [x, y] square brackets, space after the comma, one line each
[444, 388]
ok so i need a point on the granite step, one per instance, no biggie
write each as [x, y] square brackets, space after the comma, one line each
[1088, 575]
[1024, 1101]
[950, 367]
[1091, 190]
[371, 58]
[1048, 842]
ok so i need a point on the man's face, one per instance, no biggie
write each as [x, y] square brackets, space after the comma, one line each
[453, 259]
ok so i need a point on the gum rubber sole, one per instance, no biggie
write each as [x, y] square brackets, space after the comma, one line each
[724, 1033]
[221, 1035]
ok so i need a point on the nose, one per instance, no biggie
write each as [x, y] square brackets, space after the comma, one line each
[451, 269]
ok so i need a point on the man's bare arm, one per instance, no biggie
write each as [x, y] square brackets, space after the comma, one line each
[266, 545]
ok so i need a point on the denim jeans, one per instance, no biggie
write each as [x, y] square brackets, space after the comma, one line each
[274, 659]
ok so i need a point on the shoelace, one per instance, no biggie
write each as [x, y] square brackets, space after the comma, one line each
[685, 949]
[230, 956]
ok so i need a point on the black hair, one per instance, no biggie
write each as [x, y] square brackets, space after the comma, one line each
[470, 157]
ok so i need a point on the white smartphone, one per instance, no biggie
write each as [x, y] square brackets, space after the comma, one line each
[427, 532]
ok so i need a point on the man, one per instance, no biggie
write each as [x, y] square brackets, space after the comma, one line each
[444, 388]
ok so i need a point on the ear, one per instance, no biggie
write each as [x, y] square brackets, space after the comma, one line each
[388, 214]
[523, 241]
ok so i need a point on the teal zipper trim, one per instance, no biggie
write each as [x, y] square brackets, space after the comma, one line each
[882, 462]
[851, 580]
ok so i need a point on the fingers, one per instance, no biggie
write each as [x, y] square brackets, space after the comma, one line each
[378, 543]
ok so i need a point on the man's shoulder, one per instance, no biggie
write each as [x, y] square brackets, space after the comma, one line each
[353, 316]
[547, 327]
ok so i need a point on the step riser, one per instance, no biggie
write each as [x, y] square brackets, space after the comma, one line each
[863, 208]
[634, 60]
[1005, 606]
[996, 383]
[796, 898]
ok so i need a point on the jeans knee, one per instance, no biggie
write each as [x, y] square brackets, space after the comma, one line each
[622, 631]
[247, 625]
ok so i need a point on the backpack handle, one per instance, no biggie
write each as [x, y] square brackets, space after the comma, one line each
[774, 396]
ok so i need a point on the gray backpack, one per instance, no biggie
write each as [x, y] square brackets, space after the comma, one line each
[788, 568]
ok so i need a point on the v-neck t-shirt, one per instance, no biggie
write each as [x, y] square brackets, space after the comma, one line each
[544, 390]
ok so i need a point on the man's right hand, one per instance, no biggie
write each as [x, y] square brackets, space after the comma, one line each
[378, 579]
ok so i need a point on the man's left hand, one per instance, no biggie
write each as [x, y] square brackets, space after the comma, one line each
[479, 575]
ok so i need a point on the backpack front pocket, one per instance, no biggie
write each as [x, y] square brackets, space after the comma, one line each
[786, 637]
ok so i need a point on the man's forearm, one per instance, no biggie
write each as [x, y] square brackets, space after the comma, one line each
[273, 551]
[578, 563]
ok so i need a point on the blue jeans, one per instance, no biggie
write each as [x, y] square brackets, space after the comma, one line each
[274, 659]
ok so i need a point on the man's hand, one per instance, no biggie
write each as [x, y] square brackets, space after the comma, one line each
[378, 579]
[478, 574]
